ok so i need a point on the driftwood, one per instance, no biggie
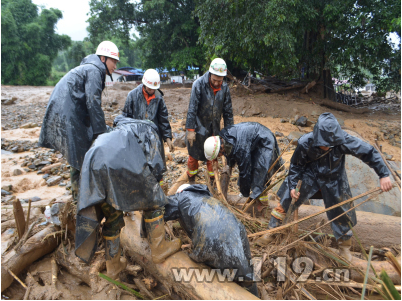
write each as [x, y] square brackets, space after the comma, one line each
[19, 217]
[309, 86]
[138, 249]
[33, 249]
[341, 107]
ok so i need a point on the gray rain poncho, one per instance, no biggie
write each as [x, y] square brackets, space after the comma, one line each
[205, 111]
[74, 114]
[218, 238]
[254, 149]
[123, 168]
[327, 172]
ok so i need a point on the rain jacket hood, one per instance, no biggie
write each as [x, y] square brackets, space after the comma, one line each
[123, 168]
[327, 131]
[74, 114]
[254, 149]
[204, 113]
[219, 239]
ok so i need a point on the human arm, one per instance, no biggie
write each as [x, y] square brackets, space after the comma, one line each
[93, 94]
[227, 111]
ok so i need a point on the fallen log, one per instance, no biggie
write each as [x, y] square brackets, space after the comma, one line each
[33, 249]
[388, 234]
[341, 107]
[183, 179]
[309, 86]
[138, 249]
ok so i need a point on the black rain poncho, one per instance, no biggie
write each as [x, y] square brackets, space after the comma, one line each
[327, 172]
[254, 149]
[205, 111]
[123, 168]
[136, 107]
[219, 239]
[74, 114]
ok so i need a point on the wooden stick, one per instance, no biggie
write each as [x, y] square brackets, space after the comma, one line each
[315, 230]
[292, 204]
[54, 271]
[389, 167]
[394, 262]
[315, 214]
[296, 217]
[16, 278]
[29, 212]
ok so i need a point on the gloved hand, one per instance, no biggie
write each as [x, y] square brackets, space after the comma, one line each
[190, 137]
[170, 144]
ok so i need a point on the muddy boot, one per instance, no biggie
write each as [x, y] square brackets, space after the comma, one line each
[160, 248]
[344, 249]
[274, 223]
[114, 263]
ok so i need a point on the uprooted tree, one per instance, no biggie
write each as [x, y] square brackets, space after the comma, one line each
[282, 37]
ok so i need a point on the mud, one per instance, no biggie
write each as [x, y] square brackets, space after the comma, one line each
[272, 110]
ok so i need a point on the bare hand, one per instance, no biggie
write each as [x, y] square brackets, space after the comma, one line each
[386, 184]
[294, 195]
[190, 137]
[170, 144]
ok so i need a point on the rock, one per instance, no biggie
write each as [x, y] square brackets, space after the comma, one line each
[35, 199]
[29, 125]
[314, 113]
[32, 166]
[17, 172]
[27, 170]
[340, 121]
[5, 192]
[388, 157]
[115, 102]
[255, 111]
[45, 176]
[296, 117]
[301, 121]
[294, 136]
[379, 136]
[7, 187]
[180, 140]
[62, 184]
[310, 123]
[44, 163]
[8, 101]
[279, 134]
[14, 149]
[53, 181]
[283, 120]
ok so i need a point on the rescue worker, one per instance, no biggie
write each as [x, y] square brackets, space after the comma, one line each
[146, 102]
[254, 148]
[319, 161]
[200, 215]
[209, 102]
[124, 177]
[74, 116]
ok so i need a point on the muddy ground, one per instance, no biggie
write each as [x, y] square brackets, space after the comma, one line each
[22, 119]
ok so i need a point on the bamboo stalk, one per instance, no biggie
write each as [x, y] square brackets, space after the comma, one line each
[318, 213]
[28, 214]
[394, 262]
[367, 272]
[16, 278]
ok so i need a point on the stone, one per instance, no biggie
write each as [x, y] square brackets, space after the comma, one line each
[310, 123]
[314, 113]
[62, 184]
[53, 181]
[301, 121]
[17, 172]
[8, 101]
[27, 170]
[15, 149]
[7, 187]
[279, 134]
[180, 140]
[44, 163]
[29, 125]
[35, 199]
[283, 120]
[45, 176]
[32, 166]
[294, 136]
[5, 192]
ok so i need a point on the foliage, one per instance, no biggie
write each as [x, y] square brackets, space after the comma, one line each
[29, 42]
[168, 30]
[55, 77]
[283, 36]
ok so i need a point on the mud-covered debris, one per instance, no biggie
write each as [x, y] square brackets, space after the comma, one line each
[53, 181]
[301, 121]
[17, 172]
[294, 136]
[5, 192]
[179, 140]
[279, 134]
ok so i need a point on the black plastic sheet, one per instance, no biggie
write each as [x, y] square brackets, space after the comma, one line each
[219, 239]
[254, 149]
[204, 113]
[74, 114]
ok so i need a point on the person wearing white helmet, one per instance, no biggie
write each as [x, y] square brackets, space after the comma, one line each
[146, 103]
[209, 101]
[74, 116]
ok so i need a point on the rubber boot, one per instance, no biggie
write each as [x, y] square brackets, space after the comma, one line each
[160, 248]
[269, 237]
[344, 249]
[114, 262]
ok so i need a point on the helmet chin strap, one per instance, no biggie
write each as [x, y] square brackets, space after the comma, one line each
[107, 69]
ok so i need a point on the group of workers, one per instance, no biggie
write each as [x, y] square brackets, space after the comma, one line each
[121, 168]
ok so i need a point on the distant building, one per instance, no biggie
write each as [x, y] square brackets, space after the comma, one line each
[119, 76]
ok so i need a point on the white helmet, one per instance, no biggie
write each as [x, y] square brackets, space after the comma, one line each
[212, 147]
[182, 187]
[109, 49]
[151, 79]
[218, 67]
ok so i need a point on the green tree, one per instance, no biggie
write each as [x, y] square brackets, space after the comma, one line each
[29, 42]
[282, 36]
[168, 30]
